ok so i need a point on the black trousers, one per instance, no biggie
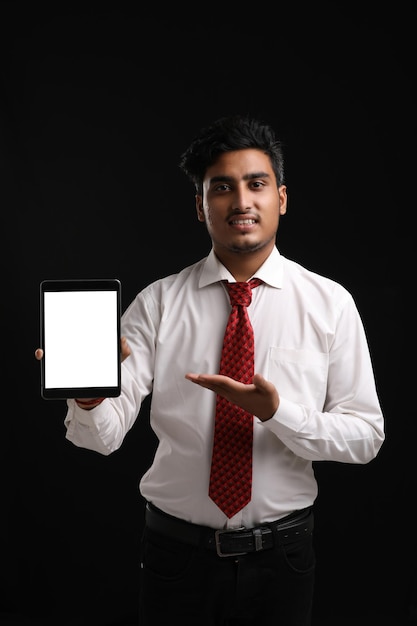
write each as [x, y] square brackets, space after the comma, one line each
[193, 586]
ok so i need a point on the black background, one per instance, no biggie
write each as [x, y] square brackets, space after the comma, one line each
[96, 104]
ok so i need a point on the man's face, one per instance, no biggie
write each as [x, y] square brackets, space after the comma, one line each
[241, 203]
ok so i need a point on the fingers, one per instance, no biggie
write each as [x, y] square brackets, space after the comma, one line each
[195, 378]
[124, 348]
[199, 379]
[214, 382]
[38, 354]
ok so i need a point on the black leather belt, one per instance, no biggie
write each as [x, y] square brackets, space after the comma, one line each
[236, 541]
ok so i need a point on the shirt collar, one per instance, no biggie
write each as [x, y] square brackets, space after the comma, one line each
[271, 272]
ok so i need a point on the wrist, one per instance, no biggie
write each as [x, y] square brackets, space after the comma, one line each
[88, 403]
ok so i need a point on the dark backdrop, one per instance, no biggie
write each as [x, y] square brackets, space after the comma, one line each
[96, 106]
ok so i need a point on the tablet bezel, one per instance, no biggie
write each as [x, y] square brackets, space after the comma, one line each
[80, 285]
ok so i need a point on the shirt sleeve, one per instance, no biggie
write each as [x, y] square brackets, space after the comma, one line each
[349, 427]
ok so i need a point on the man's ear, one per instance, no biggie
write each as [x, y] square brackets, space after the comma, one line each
[283, 199]
[199, 208]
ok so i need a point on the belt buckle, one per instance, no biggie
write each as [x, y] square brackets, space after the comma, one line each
[217, 534]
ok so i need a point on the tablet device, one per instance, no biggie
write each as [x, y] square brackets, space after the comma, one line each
[80, 338]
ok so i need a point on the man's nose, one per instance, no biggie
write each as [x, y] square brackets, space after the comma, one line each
[242, 199]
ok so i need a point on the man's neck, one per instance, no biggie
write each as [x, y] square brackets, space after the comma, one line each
[243, 265]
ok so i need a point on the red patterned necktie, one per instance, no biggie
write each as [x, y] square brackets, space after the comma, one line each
[231, 465]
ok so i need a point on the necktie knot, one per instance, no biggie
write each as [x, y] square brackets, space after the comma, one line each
[241, 292]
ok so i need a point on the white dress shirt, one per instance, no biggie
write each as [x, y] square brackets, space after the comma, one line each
[309, 342]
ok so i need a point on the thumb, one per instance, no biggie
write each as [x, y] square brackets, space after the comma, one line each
[269, 396]
[261, 383]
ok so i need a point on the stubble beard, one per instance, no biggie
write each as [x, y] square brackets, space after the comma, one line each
[247, 247]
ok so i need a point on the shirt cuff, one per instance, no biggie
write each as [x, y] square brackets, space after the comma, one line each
[287, 420]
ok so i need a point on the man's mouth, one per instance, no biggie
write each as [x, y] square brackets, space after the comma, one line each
[243, 222]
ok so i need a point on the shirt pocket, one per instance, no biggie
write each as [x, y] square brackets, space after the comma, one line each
[299, 375]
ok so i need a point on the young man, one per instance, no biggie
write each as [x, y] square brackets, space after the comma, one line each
[311, 397]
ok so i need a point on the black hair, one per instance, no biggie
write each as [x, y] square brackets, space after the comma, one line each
[236, 132]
